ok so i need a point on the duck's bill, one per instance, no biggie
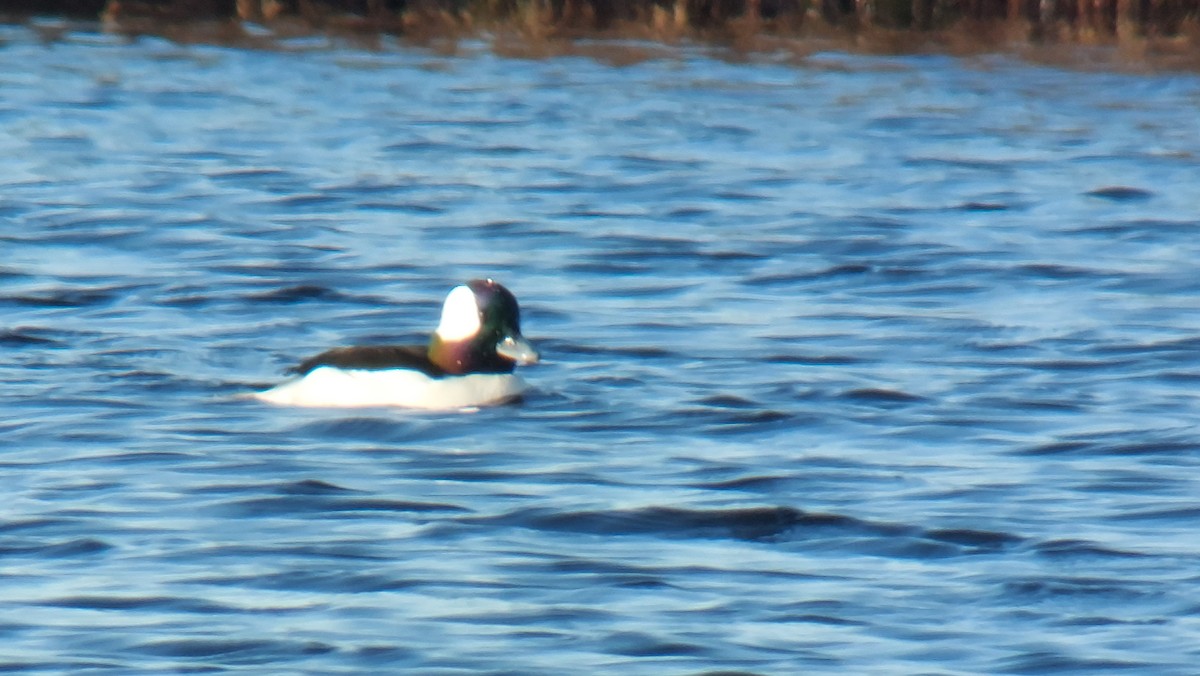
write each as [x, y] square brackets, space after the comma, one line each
[517, 349]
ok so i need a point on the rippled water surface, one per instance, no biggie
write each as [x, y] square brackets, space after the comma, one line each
[858, 365]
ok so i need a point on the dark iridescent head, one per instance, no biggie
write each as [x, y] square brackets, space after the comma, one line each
[480, 331]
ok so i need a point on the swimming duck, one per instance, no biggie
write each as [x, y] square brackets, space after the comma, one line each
[468, 361]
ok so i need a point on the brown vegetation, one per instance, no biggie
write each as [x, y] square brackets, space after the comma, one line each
[1138, 27]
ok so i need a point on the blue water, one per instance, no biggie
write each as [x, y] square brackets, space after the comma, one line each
[856, 365]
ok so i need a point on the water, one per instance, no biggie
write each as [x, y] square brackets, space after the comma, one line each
[858, 365]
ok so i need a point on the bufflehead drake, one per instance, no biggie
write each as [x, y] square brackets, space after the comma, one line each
[469, 361]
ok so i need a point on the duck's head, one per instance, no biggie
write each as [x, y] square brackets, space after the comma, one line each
[480, 331]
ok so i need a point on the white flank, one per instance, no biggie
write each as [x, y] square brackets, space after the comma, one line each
[327, 386]
[460, 315]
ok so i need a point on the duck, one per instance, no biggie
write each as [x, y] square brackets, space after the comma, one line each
[467, 363]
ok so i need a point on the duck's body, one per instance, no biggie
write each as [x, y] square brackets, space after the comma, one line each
[468, 362]
[334, 387]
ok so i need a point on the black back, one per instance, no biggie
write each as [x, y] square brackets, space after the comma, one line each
[373, 358]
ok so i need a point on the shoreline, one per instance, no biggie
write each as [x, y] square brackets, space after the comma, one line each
[1109, 34]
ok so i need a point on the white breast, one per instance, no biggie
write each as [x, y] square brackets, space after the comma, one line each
[333, 387]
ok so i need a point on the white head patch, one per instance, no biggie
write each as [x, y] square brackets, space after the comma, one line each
[460, 315]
